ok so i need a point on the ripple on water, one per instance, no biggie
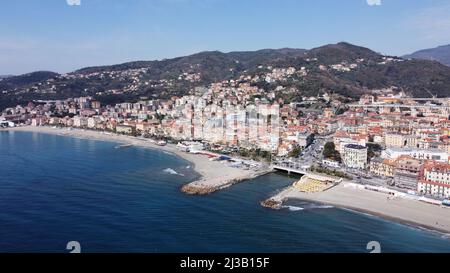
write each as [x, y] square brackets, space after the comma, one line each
[121, 200]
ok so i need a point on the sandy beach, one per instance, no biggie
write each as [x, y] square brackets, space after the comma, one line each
[411, 212]
[215, 175]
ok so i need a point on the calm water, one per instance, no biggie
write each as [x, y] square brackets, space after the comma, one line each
[57, 189]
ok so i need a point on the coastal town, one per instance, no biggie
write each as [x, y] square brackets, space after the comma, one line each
[213, 135]
[385, 142]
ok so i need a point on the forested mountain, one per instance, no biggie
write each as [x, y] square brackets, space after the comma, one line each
[340, 68]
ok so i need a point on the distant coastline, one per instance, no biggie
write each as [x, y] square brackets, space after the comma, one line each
[210, 179]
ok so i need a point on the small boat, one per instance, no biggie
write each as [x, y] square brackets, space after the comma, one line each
[123, 146]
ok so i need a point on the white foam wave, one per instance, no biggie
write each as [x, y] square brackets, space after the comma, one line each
[172, 171]
[293, 208]
[322, 207]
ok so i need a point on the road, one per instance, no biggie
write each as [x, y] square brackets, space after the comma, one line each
[310, 155]
[313, 155]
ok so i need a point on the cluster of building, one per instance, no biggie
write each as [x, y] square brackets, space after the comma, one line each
[224, 115]
[408, 139]
[401, 139]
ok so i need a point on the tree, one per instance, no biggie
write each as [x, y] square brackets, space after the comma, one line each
[295, 152]
[244, 152]
[266, 155]
[329, 152]
[373, 150]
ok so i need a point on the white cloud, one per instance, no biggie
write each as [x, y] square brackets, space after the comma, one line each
[73, 2]
[374, 2]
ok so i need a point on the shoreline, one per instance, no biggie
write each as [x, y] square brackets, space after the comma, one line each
[408, 212]
[209, 179]
[412, 213]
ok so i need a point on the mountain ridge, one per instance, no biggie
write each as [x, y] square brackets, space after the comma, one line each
[440, 54]
[342, 68]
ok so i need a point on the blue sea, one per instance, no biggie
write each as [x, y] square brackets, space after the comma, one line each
[56, 189]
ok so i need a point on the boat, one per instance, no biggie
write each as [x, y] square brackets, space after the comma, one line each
[123, 146]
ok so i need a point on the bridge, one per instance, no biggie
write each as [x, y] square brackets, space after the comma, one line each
[47, 101]
[397, 105]
[290, 167]
[435, 99]
[297, 169]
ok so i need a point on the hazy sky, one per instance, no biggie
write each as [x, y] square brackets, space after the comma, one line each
[63, 35]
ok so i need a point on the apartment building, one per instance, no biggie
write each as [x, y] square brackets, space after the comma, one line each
[354, 156]
[435, 179]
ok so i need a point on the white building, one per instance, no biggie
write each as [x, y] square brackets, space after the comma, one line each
[6, 123]
[330, 163]
[92, 122]
[304, 139]
[421, 154]
[80, 121]
[435, 180]
[354, 156]
[37, 121]
[125, 129]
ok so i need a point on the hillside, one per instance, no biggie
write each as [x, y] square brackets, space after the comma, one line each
[341, 68]
[214, 65]
[336, 53]
[12, 82]
[440, 54]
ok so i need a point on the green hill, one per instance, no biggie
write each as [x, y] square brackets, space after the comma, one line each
[340, 68]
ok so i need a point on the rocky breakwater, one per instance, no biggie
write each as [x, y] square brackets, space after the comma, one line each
[271, 204]
[276, 201]
[198, 188]
[207, 186]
